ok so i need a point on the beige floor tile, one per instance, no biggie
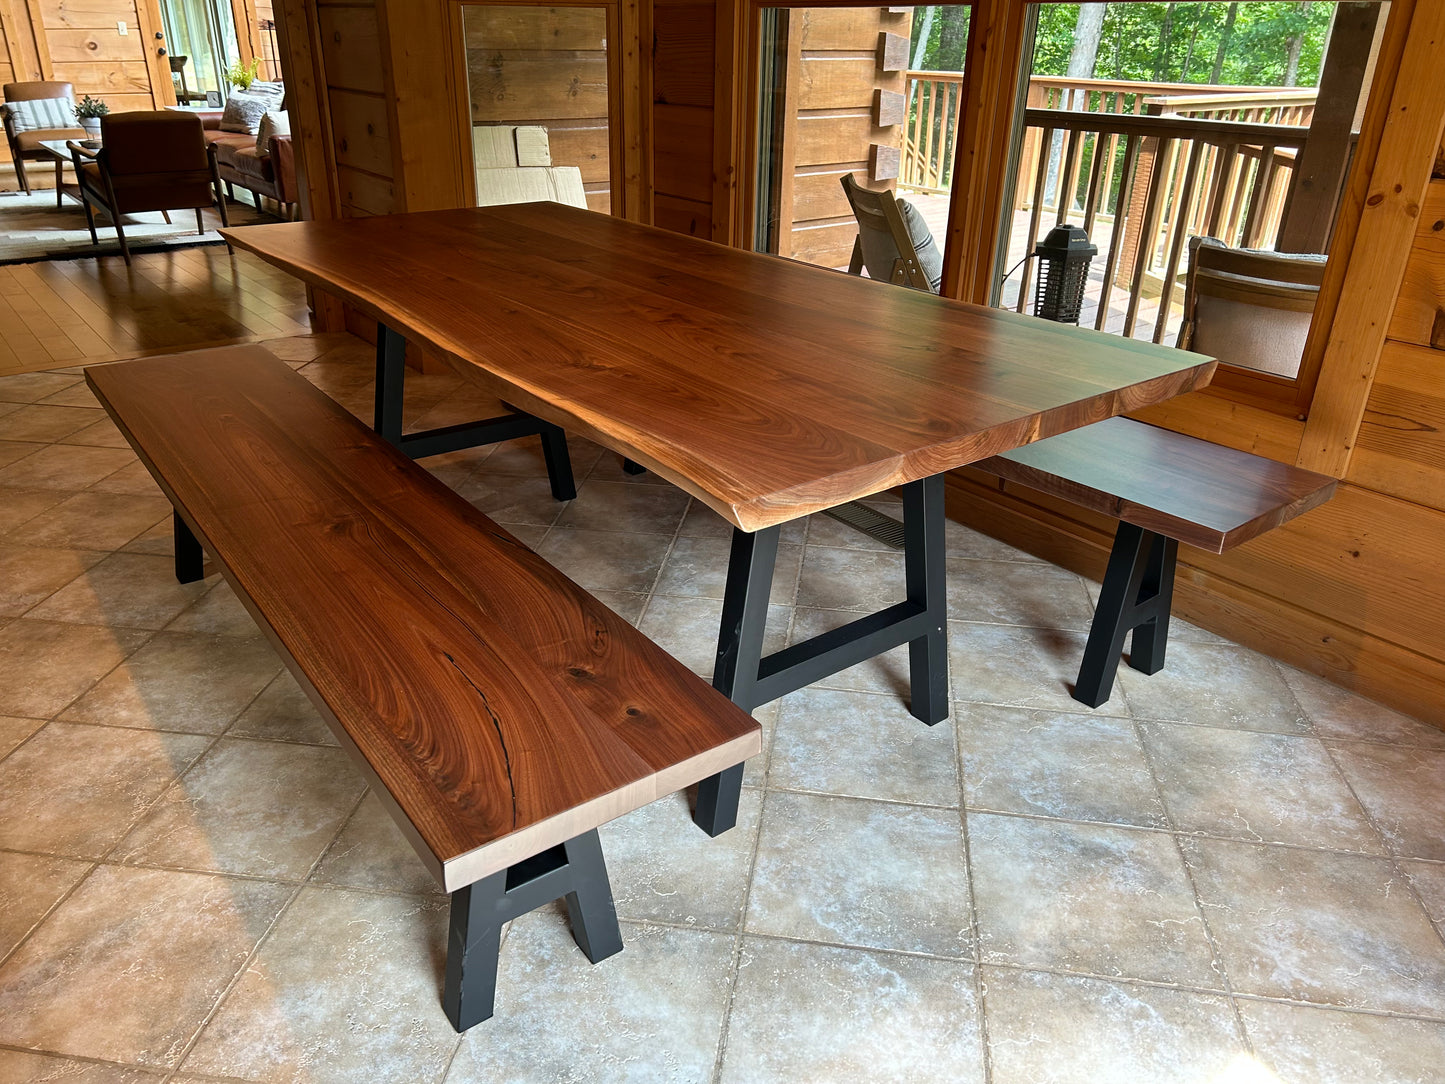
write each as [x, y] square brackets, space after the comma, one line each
[702, 522]
[653, 1012]
[687, 629]
[755, 771]
[265, 809]
[1301, 1045]
[861, 873]
[627, 605]
[46, 423]
[623, 506]
[1404, 791]
[1054, 764]
[282, 712]
[961, 541]
[181, 681]
[32, 387]
[663, 867]
[862, 744]
[887, 673]
[698, 568]
[1314, 926]
[511, 500]
[605, 561]
[11, 450]
[1429, 880]
[77, 395]
[133, 961]
[1068, 1030]
[18, 1067]
[30, 574]
[128, 590]
[1020, 667]
[48, 664]
[523, 457]
[1012, 593]
[94, 520]
[1270, 788]
[134, 479]
[64, 467]
[160, 538]
[820, 1013]
[101, 433]
[75, 790]
[372, 853]
[218, 612]
[1338, 713]
[13, 731]
[825, 531]
[1215, 685]
[30, 885]
[1099, 900]
[859, 580]
[20, 506]
[346, 988]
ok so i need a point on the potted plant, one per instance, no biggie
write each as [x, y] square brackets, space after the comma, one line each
[243, 75]
[88, 112]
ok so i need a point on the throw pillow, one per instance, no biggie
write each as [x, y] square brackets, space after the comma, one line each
[930, 260]
[246, 107]
[42, 113]
[275, 122]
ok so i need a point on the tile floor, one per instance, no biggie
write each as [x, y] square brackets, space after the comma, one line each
[1231, 874]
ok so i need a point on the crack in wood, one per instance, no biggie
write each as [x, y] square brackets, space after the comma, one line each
[497, 726]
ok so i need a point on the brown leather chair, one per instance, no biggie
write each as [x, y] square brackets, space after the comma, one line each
[149, 161]
[25, 146]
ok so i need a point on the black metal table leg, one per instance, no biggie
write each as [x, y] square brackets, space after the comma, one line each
[190, 561]
[629, 467]
[1136, 595]
[390, 397]
[573, 871]
[926, 576]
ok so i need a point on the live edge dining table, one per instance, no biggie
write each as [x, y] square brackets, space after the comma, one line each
[765, 388]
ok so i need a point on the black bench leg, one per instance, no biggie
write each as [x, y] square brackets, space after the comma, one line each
[574, 871]
[559, 463]
[390, 383]
[190, 561]
[1136, 595]
[629, 467]
[925, 575]
[739, 651]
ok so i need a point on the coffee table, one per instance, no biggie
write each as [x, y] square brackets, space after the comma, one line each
[59, 149]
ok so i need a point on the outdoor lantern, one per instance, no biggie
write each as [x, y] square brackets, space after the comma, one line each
[1064, 258]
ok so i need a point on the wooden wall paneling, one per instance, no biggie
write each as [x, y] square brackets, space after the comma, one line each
[1401, 447]
[148, 22]
[683, 54]
[20, 40]
[681, 134]
[1420, 309]
[365, 193]
[1224, 421]
[734, 106]
[1399, 176]
[353, 48]
[35, 15]
[362, 131]
[422, 100]
[631, 96]
[692, 217]
[684, 81]
[243, 16]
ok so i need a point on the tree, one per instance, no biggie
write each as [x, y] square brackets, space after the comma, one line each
[1088, 30]
[1295, 44]
[1223, 48]
[952, 37]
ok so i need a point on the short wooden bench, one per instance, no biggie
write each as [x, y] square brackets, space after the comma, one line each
[1164, 488]
[500, 711]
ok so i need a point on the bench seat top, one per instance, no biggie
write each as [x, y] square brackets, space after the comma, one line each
[1172, 484]
[498, 707]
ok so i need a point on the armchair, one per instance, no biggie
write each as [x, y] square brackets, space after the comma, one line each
[149, 161]
[894, 242]
[25, 142]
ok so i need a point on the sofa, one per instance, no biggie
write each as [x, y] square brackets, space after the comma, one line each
[240, 164]
[513, 164]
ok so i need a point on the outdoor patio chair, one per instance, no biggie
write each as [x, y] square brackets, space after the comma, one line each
[894, 242]
[1249, 307]
[150, 161]
[52, 103]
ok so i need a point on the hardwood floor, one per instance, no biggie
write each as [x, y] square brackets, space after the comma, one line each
[62, 313]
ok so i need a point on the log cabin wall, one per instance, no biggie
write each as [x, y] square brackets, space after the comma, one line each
[684, 80]
[548, 68]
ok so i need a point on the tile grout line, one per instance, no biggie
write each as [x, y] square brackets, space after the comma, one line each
[980, 987]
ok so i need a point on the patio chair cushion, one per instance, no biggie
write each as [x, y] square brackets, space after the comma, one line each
[41, 113]
[246, 106]
[879, 251]
[29, 142]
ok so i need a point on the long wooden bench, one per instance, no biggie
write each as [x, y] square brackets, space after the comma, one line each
[1164, 488]
[500, 711]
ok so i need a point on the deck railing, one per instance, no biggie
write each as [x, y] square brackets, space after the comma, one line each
[930, 136]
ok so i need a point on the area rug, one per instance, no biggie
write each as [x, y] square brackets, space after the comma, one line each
[33, 228]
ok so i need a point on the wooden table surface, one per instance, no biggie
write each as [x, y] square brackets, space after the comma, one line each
[766, 388]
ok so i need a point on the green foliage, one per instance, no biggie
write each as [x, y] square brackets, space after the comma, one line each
[91, 107]
[1256, 46]
[243, 75]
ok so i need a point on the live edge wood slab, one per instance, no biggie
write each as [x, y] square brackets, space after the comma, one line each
[766, 388]
[497, 708]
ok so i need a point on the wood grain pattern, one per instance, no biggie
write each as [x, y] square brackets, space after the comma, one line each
[1202, 494]
[765, 388]
[501, 707]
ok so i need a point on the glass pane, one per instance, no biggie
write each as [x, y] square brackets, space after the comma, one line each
[537, 85]
[200, 44]
[1152, 125]
[870, 93]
